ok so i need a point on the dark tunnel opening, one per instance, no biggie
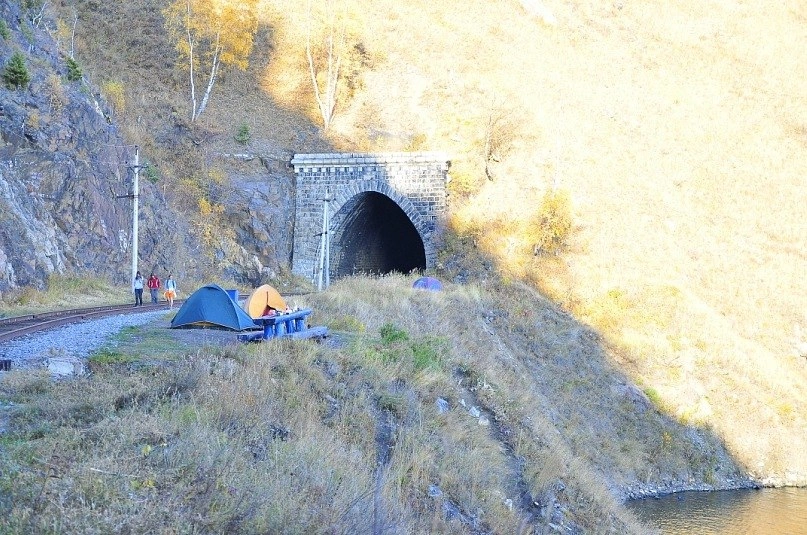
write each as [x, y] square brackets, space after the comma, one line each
[376, 237]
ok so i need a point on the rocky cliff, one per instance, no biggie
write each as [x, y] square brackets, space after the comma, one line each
[66, 174]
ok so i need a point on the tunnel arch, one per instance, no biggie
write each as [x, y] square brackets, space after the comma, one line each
[404, 194]
[372, 234]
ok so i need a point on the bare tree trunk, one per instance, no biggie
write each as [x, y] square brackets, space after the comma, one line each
[312, 70]
[488, 149]
[36, 18]
[190, 54]
[334, 62]
[214, 69]
[326, 103]
[73, 34]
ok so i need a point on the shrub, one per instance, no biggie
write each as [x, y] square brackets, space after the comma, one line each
[391, 334]
[243, 136]
[428, 354]
[16, 74]
[4, 31]
[553, 223]
[32, 5]
[58, 99]
[464, 180]
[74, 73]
[151, 173]
[33, 120]
[653, 395]
[27, 32]
[114, 94]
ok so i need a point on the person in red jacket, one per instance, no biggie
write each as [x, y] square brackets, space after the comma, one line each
[154, 286]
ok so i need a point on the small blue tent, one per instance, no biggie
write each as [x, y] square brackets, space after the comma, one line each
[211, 306]
[428, 283]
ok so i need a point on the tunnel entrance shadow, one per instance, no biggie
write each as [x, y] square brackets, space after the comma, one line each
[373, 235]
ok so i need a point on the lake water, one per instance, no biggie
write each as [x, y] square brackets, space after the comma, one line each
[731, 512]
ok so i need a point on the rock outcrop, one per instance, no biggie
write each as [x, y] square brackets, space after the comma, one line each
[64, 171]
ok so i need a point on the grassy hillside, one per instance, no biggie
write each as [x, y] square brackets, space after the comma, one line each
[679, 132]
[678, 129]
[481, 409]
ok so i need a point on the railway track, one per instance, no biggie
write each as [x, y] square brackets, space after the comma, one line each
[17, 326]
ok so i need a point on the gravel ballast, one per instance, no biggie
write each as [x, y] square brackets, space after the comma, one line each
[78, 340]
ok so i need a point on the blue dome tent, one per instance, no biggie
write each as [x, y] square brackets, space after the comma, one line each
[211, 307]
[428, 283]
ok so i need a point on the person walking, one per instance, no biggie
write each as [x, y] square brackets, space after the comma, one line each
[154, 286]
[137, 286]
[170, 290]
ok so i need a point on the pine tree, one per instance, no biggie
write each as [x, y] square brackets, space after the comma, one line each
[243, 136]
[16, 74]
[73, 70]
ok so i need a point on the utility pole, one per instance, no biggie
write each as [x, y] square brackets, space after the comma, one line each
[327, 241]
[135, 196]
[324, 246]
[135, 210]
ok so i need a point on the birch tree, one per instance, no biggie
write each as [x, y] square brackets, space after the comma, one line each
[210, 35]
[503, 125]
[335, 54]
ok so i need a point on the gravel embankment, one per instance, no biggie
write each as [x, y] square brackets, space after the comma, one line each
[78, 340]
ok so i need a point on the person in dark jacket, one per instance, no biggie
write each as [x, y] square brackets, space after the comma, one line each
[137, 286]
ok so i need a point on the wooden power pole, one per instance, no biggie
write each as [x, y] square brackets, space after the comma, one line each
[325, 246]
[135, 210]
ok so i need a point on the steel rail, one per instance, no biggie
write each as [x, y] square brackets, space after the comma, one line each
[18, 326]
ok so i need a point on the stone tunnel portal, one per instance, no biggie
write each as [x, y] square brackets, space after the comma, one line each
[386, 211]
[373, 235]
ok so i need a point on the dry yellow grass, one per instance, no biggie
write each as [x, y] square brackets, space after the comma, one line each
[63, 292]
[289, 436]
[679, 131]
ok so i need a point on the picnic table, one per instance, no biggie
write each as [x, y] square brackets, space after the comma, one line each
[291, 324]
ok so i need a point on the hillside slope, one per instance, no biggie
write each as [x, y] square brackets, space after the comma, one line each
[66, 175]
[476, 409]
[678, 130]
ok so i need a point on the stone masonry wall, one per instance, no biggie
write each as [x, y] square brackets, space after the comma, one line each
[415, 181]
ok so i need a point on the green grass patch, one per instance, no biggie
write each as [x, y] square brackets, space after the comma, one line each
[148, 341]
[653, 395]
[428, 353]
[12, 443]
[347, 323]
[61, 292]
[394, 403]
[391, 334]
[21, 387]
[71, 285]
[108, 356]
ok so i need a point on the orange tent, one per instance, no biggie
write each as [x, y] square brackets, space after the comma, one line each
[261, 299]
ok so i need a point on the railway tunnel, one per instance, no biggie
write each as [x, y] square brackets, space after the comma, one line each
[385, 212]
[373, 235]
